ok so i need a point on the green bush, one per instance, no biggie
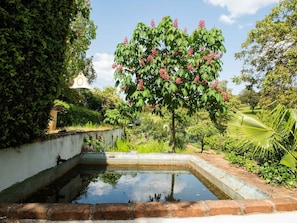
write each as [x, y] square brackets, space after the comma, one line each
[274, 174]
[75, 115]
[33, 41]
[235, 159]
[122, 145]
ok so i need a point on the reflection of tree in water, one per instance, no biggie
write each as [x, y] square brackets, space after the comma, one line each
[111, 178]
[155, 198]
[170, 196]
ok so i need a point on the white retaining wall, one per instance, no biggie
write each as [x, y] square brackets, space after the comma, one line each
[18, 164]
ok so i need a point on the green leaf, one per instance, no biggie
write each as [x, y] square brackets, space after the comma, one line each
[289, 160]
[185, 93]
[173, 87]
[204, 98]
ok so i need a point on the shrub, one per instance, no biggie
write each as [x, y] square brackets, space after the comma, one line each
[235, 159]
[122, 145]
[75, 115]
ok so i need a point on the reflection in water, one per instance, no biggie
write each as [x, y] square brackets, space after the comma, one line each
[119, 185]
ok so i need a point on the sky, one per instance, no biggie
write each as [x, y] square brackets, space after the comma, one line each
[117, 19]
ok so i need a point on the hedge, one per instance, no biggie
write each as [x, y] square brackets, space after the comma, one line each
[72, 115]
[32, 53]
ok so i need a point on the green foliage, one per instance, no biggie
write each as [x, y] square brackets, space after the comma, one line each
[235, 159]
[33, 42]
[290, 160]
[200, 131]
[111, 178]
[123, 145]
[95, 143]
[122, 115]
[249, 97]
[267, 141]
[269, 55]
[152, 147]
[76, 115]
[274, 174]
[83, 30]
[165, 67]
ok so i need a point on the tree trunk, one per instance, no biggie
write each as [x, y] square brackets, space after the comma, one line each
[173, 132]
[202, 145]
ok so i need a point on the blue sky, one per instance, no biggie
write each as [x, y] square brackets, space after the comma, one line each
[116, 19]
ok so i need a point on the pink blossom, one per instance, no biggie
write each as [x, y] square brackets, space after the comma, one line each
[120, 68]
[125, 88]
[114, 65]
[225, 96]
[162, 71]
[202, 49]
[190, 51]
[125, 40]
[220, 90]
[150, 58]
[163, 74]
[175, 23]
[215, 84]
[204, 82]
[142, 63]
[166, 77]
[190, 68]
[212, 54]
[140, 84]
[220, 55]
[209, 57]
[186, 30]
[154, 51]
[201, 24]
[153, 23]
[179, 80]
[196, 79]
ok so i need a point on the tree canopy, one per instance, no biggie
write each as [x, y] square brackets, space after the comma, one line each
[270, 55]
[164, 66]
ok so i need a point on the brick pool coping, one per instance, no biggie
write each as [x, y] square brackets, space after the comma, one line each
[130, 211]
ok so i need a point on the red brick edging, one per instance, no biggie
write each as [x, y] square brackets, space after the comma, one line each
[145, 210]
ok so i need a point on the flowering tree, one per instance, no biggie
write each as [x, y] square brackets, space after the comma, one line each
[165, 67]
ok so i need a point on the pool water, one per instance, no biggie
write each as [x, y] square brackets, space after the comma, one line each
[115, 184]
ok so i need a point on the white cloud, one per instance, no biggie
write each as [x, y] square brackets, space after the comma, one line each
[226, 19]
[142, 189]
[102, 64]
[99, 188]
[238, 8]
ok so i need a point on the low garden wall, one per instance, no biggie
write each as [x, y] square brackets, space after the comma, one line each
[18, 164]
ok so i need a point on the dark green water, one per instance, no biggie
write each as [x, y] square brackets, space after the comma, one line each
[101, 184]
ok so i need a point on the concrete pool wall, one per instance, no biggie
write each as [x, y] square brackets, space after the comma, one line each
[21, 163]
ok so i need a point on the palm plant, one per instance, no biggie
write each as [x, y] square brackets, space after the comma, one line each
[270, 140]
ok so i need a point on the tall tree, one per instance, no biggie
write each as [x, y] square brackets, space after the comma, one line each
[165, 67]
[83, 30]
[270, 55]
[249, 97]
